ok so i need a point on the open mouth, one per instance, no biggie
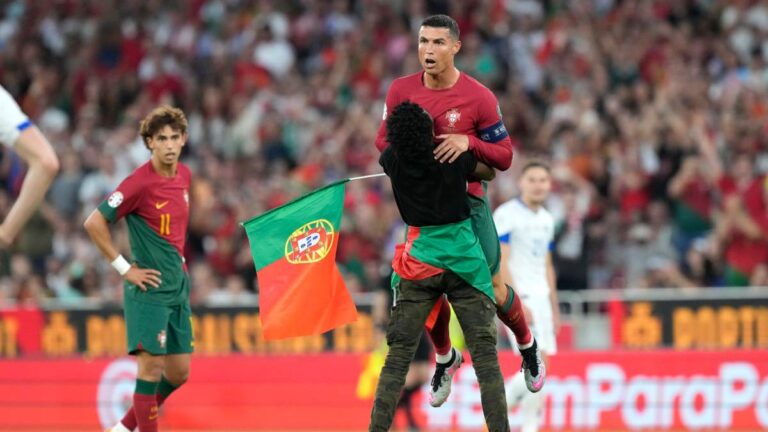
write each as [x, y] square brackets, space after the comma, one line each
[430, 62]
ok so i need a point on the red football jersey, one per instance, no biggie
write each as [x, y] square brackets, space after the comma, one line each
[467, 108]
[162, 202]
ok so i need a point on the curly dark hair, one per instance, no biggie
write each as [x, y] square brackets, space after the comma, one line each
[159, 118]
[409, 132]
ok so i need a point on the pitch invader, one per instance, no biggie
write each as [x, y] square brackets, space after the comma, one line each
[526, 233]
[154, 200]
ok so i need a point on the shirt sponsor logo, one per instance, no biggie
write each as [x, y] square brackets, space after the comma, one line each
[115, 199]
[310, 243]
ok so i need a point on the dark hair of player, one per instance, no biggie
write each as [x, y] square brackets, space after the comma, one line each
[409, 132]
[535, 164]
[161, 117]
[443, 21]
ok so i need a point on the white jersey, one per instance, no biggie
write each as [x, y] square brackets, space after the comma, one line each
[12, 120]
[529, 235]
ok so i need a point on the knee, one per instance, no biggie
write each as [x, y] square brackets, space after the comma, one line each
[177, 377]
[151, 368]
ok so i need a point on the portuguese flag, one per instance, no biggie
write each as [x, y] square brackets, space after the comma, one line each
[301, 291]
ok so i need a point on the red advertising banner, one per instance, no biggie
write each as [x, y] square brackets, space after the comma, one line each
[652, 390]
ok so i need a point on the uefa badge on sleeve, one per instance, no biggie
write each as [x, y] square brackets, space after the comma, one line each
[115, 199]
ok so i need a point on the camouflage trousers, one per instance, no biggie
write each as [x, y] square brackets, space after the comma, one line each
[414, 300]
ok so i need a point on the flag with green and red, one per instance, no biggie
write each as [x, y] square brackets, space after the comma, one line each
[301, 291]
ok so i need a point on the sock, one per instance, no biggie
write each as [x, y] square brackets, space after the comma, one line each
[439, 333]
[145, 405]
[510, 312]
[446, 359]
[164, 389]
[531, 407]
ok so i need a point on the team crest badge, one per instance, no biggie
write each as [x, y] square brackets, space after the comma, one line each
[115, 199]
[453, 117]
[161, 337]
[310, 243]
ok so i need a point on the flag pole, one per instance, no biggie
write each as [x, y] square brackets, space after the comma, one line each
[366, 176]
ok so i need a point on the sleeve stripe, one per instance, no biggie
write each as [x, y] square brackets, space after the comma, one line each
[24, 125]
[493, 133]
[504, 238]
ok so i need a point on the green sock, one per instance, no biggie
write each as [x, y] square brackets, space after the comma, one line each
[146, 387]
[164, 389]
[510, 299]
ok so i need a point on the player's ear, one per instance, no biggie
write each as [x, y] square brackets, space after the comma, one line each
[456, 47]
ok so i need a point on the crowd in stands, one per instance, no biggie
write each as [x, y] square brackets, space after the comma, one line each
[652, 114]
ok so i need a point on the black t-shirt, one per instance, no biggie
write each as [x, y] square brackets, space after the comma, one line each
[429, 194]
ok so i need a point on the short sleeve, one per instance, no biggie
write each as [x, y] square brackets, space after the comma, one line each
[12, 120]
[123, 200]
[551, 233]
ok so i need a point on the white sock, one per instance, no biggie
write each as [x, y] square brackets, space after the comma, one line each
[517, 390]
[531, 407]
[526, 346]
[444, 358]
[119, 427]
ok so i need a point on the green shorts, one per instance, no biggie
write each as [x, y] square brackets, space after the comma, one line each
[159, 329]
[485, 230]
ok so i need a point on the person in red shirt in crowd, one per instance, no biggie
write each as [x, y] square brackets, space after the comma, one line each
[742, 228]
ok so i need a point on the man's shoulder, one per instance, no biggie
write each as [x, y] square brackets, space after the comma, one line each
[407, 82]
[185, 171]
[511, 206]
[140, 175]
[508, 212]
[471, 81]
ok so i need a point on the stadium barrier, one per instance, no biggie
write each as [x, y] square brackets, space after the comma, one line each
[592, 319]
[704, 318]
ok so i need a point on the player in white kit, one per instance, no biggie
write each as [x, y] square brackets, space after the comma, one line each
[19, 133]
[526, 233]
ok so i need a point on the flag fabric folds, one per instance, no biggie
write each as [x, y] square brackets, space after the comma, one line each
[301, 291]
